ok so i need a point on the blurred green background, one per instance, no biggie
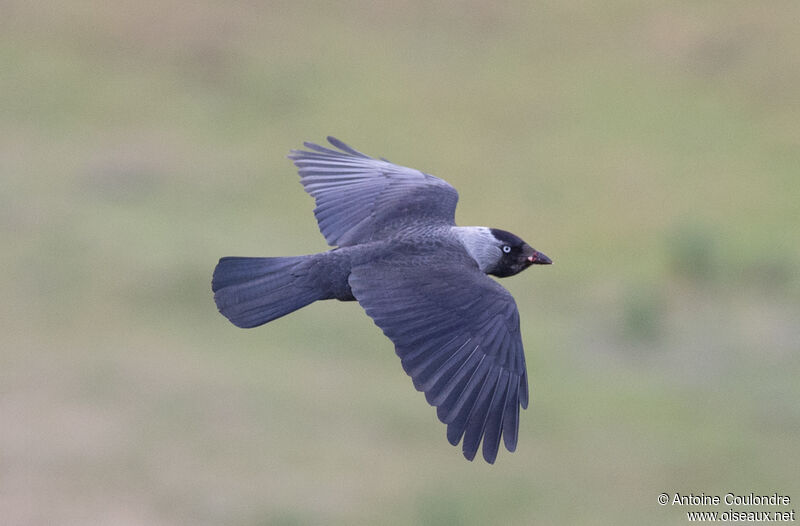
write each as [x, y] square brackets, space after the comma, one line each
[652, 150]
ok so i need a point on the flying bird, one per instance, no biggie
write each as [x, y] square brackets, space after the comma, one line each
[422, 279]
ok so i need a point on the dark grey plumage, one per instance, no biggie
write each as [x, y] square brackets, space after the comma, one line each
[360, 199]
[418, 276]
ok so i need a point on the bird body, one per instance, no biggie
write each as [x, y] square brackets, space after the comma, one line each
[421, 278]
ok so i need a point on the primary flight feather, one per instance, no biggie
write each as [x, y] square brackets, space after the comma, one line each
[422, 279]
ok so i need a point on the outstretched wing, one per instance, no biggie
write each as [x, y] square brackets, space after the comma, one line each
[360, 199]
[457, 335]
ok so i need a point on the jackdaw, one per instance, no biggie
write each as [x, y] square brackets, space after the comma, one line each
[422, 279]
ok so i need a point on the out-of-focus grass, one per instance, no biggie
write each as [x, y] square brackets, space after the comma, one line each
[651, 151]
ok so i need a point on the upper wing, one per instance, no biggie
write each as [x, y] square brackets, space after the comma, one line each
[360, 199]
[457, 335]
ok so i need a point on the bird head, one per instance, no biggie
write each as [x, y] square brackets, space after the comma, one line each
[514, 255]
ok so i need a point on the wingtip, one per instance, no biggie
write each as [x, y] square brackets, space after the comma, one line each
[336, 143]
[315, 150]
[469, 455]
[346, 147]
[510, 443]
[452, 437]
[489, 457]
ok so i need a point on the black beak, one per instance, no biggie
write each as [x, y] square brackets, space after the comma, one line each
[537, 258]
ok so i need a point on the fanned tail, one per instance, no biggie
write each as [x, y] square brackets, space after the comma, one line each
[253, 291]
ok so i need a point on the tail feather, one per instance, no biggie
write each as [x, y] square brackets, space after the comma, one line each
[253, 291]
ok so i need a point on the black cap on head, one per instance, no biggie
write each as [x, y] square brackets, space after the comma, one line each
[506, 237]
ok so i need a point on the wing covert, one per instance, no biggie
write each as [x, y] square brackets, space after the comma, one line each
[360, 199]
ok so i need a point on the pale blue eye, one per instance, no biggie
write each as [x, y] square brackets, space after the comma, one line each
[506, 249]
